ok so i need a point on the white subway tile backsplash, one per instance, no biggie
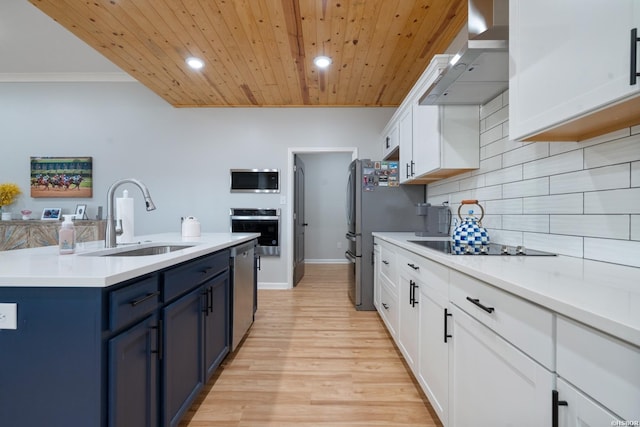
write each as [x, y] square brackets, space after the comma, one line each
[488, 165]
[556, 243]
[526, 153]
[558, 204]
[610, 153]
[498, 147]
[562, 147]
[491, 135]
[605, 178]
[499, 117]
[635, 227]
[487, 193]
[491, 107]
[505, 206]
[573, 198]
[567, 162]
[472, 182]
[625, 252]
[605, 226]
[613, 202]
[532, 223]
[635, 174]
[500, 176]
[526, 188]
[443, 188]
[505, 237]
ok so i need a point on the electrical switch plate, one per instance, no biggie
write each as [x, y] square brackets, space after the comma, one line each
[8, 316]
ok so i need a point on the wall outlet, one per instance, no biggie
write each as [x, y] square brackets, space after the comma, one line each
[8, 316]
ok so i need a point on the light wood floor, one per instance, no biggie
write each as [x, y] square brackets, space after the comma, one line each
[311, 360]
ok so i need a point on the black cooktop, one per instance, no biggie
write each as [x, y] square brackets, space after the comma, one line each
[492, 249]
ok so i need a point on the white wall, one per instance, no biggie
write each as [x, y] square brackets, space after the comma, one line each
[579, 199]
[325, 183]
[183, 155]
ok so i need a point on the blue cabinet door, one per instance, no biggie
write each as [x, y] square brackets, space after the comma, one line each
[133, 376]
[182, 361]
[217, 329]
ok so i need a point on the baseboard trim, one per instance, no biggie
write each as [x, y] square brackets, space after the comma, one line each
[326, 261]
[273, 285]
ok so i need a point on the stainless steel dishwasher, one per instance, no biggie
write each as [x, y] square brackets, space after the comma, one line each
[243, 293]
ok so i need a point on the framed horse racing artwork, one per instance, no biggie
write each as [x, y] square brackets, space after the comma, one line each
[58, 177]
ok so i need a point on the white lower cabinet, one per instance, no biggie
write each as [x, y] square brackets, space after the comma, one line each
[389, 308]
[377, 272]
[435, 340]
[600, 366]
[491, 382]
[574, 409]
[487, 357]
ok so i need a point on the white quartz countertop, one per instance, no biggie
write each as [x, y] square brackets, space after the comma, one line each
[45, 267]
[602, 295]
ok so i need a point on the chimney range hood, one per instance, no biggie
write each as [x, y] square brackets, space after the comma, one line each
[479, 71]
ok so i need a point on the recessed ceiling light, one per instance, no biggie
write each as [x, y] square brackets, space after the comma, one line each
[195, 63]
[322, 61]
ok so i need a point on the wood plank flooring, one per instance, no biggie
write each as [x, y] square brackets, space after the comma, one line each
[311, 360]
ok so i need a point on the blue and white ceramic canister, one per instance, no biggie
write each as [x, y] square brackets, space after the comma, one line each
[469, 236]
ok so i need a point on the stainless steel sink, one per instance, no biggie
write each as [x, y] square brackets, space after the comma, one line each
[151, 249]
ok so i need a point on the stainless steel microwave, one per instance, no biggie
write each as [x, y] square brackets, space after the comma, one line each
[255, 180]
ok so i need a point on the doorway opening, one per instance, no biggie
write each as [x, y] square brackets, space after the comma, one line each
[296, 198]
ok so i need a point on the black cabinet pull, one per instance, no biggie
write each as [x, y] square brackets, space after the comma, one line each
[446, 332]
[386, 307]
[207, 270]
[385, 262]
[412, 165]
[634, 56]
[412, 293]
[210, 299]
[158, 328]
[407, 171]
[555, 402]
[476, 302]
[259, 262]
[387, 142]
[144, 298]
[415, 267]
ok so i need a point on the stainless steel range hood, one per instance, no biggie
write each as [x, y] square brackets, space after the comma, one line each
[479, 71]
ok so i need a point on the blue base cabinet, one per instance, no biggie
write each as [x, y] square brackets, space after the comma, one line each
[133, 376]
[133, 354]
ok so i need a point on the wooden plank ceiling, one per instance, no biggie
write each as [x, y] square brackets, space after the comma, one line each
[260, 52]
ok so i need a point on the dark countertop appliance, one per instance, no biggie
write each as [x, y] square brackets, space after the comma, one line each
[375, 202]
[490, 249]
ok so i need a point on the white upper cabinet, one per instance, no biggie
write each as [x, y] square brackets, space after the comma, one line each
[570, 68]
[435, 142]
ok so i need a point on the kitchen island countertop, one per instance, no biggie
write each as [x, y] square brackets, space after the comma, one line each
[45, 267]
[602, 295]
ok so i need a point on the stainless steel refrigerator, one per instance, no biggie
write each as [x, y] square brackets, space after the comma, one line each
[375, 202]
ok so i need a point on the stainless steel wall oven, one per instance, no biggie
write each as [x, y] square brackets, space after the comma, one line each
[263, 221]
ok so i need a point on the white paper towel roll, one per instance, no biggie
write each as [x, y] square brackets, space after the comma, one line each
[124, 213]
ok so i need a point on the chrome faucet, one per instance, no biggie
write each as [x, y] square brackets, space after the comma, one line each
[114, 229]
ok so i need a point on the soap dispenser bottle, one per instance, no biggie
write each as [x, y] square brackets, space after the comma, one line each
[67, 236]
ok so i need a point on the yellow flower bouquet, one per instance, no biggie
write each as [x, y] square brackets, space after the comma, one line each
[8, 193]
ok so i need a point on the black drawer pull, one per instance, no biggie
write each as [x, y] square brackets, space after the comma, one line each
[144, 298]
[415, 267]
[446, 331]
[555, 403]
[207, 270]
[385, 262]
[634, 56]
[386, 307]
[477, 303]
